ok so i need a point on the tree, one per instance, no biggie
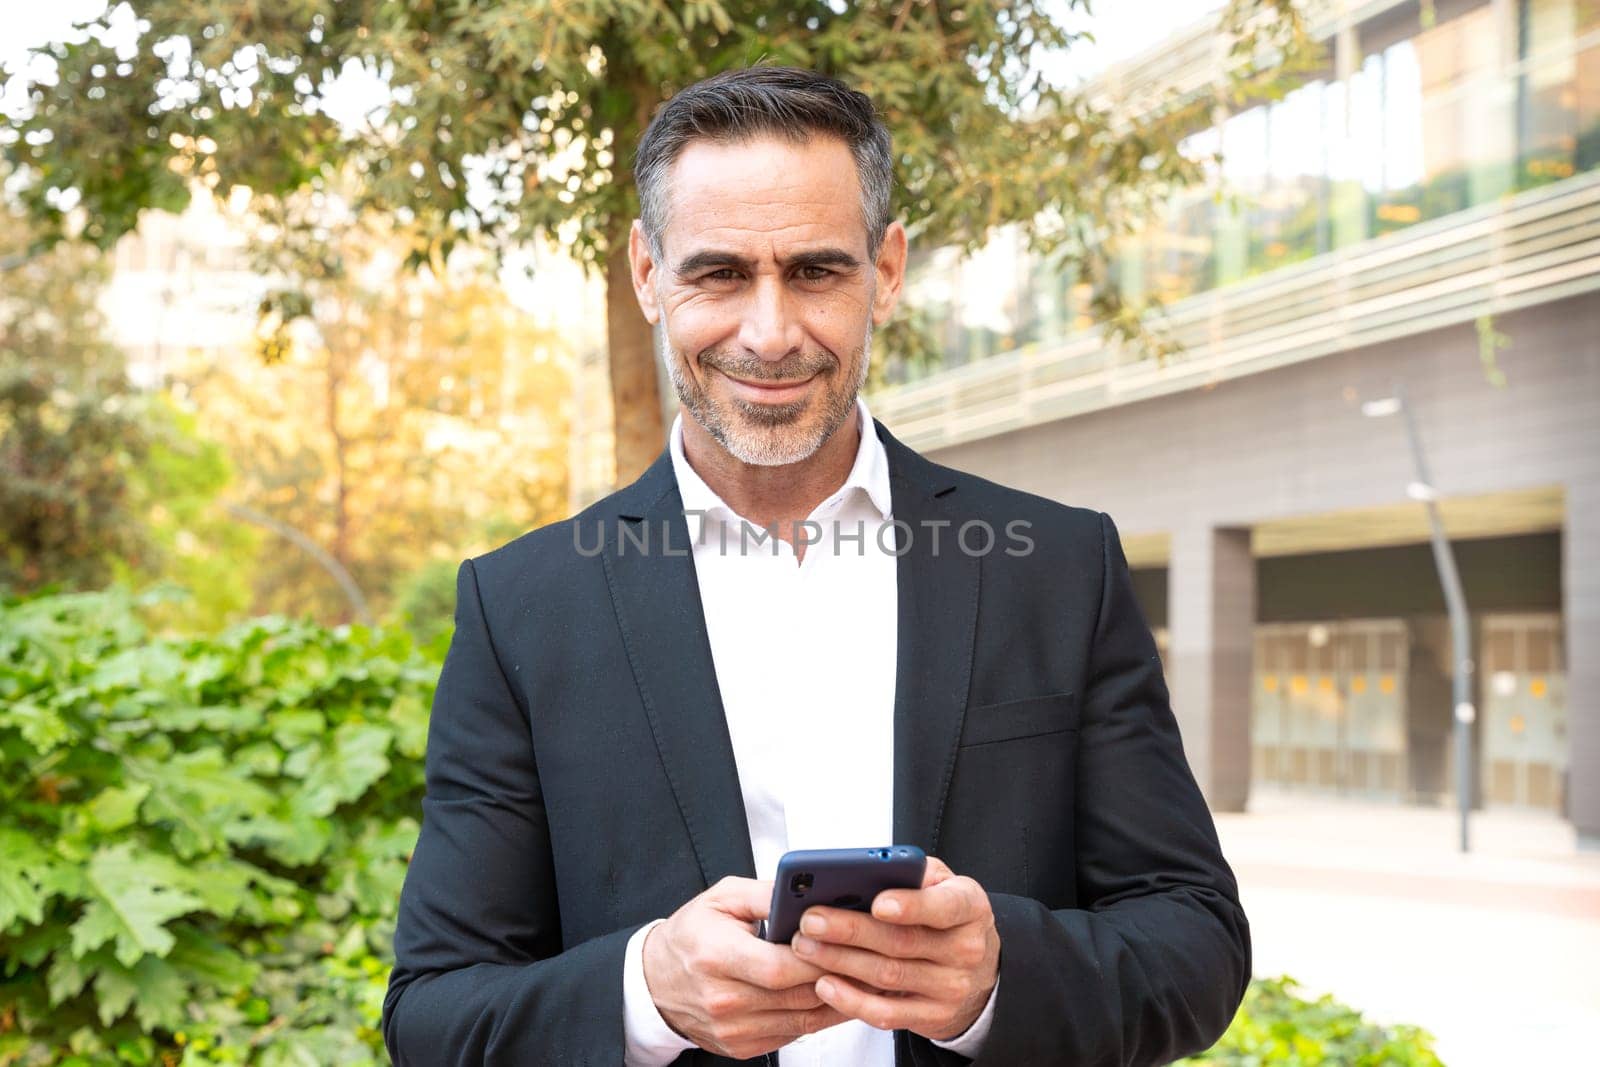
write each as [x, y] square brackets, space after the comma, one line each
[98, 480]
[396, 415]
[70, 429]
[510, 119]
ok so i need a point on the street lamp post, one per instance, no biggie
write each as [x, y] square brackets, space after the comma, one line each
[1422, 489]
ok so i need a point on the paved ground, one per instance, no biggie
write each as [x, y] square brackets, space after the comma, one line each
[1496, 952]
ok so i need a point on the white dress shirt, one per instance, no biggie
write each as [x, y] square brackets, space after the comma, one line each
[805, 655]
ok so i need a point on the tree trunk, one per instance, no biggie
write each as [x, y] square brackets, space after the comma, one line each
[635, 399]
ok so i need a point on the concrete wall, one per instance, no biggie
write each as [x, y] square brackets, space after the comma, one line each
[1292, 442]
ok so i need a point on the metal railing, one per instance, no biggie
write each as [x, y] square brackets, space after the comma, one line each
[1531, 248]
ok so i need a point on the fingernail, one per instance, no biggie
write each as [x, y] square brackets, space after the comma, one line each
[824, 988]
[805, 946]
[814, 924]
[891, 908]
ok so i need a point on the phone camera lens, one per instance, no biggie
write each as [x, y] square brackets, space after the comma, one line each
[800, 883]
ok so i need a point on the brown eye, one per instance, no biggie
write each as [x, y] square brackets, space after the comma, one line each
[815, 274]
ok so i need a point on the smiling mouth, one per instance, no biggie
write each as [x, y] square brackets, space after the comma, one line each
[770, 385]
[767, 393]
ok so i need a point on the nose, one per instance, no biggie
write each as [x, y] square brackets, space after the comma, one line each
[769, 327]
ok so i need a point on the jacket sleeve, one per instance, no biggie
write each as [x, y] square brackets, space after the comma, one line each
[1154, 962]
[480, 976]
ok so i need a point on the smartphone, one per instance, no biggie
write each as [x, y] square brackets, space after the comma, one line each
[838, 878]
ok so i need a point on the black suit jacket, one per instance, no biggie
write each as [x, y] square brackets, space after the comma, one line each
[580, 782]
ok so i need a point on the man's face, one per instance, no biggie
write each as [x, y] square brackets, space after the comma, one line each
[765, 292]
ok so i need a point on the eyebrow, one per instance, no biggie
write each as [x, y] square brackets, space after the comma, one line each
[714, 259]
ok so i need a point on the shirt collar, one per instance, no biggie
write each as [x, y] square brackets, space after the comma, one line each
[869, 473]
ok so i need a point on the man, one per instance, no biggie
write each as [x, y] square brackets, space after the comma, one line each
[644, 707]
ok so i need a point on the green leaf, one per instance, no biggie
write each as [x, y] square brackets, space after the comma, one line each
[292, 837]
[117, 807]
[134, 898]
[114, 990]
[161, 992]
[41, 727]
[22, 864]
[378, 866]
[290, 1052]
[262, 759]
[209, 960]
[185, 719]
[67, 977]
[200, 795]
[150, 665]
[292, 728]
[409, 714]
[33, 947]
[224, 887]
[18, 898]
[341, 774]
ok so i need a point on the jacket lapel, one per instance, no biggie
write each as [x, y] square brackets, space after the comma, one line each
[656, 597]
[938, 613]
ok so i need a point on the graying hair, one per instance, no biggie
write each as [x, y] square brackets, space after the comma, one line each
[788, 102]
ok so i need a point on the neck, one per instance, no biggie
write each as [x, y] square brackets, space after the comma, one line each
[774, 496]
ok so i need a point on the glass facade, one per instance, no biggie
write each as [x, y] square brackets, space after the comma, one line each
[1412, 121]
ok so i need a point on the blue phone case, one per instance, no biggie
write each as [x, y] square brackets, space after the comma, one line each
[838, 878]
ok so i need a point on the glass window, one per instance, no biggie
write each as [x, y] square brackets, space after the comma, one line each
[1586, 94]
[1552, 25]
[1291, 217]
[1244, 176]
[1440, 143]
[1244, 150]
[1558, 122]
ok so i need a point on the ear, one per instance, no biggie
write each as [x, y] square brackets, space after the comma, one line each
[644, 269]
[891, 271]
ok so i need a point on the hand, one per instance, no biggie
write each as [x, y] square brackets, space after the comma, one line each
[725, 989]
[925, 960]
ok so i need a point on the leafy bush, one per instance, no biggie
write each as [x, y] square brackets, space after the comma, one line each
[426, 604]
[1277, 1027]
[203, 840]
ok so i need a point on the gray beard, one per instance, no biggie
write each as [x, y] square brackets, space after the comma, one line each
[769, 447]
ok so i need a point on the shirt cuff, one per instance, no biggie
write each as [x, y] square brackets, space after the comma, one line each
[968, 1044]
[648, 1040]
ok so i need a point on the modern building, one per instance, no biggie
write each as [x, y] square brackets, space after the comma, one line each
[1423, 214]
[182, 290]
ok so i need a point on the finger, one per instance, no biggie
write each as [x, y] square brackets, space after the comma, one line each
[935, 872]
[942, 906]
[725, 999]
[747, 1036]
[802, 997]
[879, 1011]
[765, 966]
[798, 1023]
[888, 974]
[841, 926]
[746, 899]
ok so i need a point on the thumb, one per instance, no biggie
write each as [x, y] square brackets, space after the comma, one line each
[745, 899]
[936, 872]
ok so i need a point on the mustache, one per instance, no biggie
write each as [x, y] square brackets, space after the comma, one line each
[755, 369]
